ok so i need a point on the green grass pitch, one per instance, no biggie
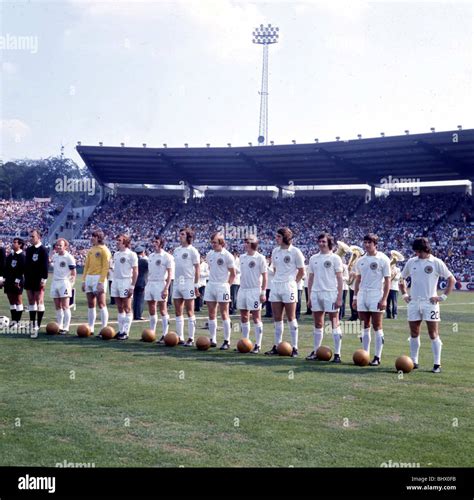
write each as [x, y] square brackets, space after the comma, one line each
[130, 404]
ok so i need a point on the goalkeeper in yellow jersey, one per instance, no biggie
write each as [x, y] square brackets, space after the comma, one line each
[94, 279]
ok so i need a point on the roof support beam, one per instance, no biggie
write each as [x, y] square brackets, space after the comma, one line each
[364, 174]
[447, 159]
[186, 177]
[263, 172]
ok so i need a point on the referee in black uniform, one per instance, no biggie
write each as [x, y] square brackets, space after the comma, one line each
[36, 275]
[14, 279]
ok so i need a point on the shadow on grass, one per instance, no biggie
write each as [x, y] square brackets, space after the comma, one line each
[214, 355]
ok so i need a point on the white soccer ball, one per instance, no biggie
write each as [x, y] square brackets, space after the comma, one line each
[4, 322]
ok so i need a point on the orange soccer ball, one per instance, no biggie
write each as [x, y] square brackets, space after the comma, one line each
[52, 328]
[203, 343]
[148, 335]
[107, 333]
[244, 345]
[171, 339]
[284, 349]
[404, 364]
[83, 330]
[361, 357]
[324, 353]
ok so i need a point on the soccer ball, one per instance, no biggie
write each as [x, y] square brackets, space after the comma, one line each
[203, 343]
[324, 353]
[404, 364]
[107, 333]
[83, 330]
[4, 322]
[148, 335]
[171, 339]
[52, 328]
[284, 349]
[244, 345]
[361, 357]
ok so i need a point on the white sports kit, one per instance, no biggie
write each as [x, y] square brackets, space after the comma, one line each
[424, 275]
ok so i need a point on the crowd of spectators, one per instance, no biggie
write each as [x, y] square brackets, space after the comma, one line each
[398, 219]
[17, 217]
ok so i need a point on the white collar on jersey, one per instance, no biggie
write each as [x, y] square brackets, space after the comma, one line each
[38, 244]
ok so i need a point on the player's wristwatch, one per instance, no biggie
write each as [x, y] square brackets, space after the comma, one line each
[443, 297]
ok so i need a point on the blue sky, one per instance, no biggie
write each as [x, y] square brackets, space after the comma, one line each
[187, 71]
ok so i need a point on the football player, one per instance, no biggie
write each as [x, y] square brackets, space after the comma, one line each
[36, 276]
[123, 282]
[371, 288]
[158, 285]
[252, 291]
[14, 279]
[94, 279]
[288, 263]
[185, 284]
[64, 276]
[221, 276]
[325, 292]
[423, 300]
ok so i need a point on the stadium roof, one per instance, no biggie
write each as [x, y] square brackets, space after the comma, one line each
[428, 157]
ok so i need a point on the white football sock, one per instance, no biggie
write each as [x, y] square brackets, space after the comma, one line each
[91, 316]
[153, 321]
[317, 337]
[67, 319]
[165, 323]
[415, 348]
[337, 336]
[59, 318]
[212, 323]
[436, 348]
[378, 343]
[258, 333]
[121, 321]
[127, 322]
[104, 316]
[293, 325]
[366, 338]
[191, 327]
[245, 330]
[180, 327]
[227, 327]
[279, 327]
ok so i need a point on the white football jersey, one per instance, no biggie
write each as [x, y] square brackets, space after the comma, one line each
[62, 265]
[251, 269]
[123, 263]
[158, 265]
[324, 268]
[345, 276]
[185, 258]
[424, 274]
[219, 264]
[373, 269]
[286, 263]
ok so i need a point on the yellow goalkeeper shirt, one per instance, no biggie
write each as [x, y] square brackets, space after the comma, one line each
[97, 262]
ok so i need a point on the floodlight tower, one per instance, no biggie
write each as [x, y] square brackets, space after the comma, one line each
[264, 35]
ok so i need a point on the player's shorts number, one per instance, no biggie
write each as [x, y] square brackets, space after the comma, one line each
[434, 314]
[226, 296]
[191, 292]
[292, 296]
[256, 305]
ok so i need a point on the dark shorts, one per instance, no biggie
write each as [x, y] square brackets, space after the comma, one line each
[10, 288]
[33, 285]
